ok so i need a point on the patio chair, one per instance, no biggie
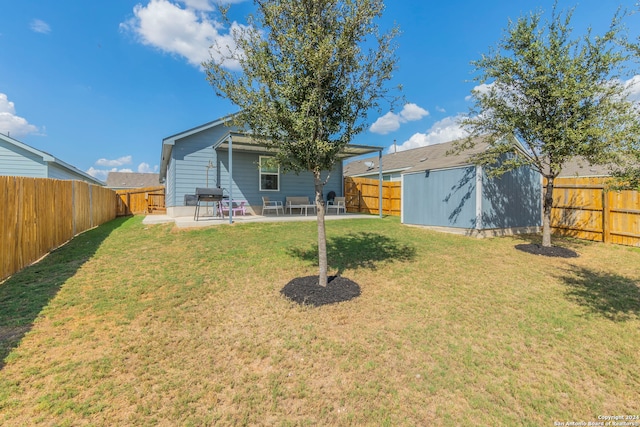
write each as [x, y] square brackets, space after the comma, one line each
[270, 205]
[237, 206]
[338, 204]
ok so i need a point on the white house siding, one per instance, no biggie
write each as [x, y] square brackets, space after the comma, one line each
[15, 161]
[58, 172]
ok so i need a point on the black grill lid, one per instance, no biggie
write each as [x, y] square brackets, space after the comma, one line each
[210, 193]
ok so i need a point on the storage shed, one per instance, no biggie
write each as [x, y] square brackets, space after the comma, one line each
[449, 193]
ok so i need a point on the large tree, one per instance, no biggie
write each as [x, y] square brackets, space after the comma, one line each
[310, 70]
[562, 97]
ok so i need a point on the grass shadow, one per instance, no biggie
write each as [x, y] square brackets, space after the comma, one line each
[358, 250]
[615, 297]
[27, 292]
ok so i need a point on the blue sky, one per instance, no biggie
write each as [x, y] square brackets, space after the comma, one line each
[99, 84]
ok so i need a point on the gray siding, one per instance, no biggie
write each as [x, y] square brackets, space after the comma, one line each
[246, 177]
[15, 161]
[170, 184]
[187, 170]
[512, 200]
[445, 198]
[188, 165]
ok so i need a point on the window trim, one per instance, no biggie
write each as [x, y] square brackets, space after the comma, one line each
[260, 174]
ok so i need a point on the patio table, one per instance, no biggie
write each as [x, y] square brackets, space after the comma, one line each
[306, 208]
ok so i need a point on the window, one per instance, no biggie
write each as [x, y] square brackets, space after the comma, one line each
[269, 174]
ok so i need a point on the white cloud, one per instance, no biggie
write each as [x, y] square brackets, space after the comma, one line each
[445, 130]
[39, 26]
[184, 28]
[440, 109]
[633, 86]
[483, 88]
[124, 160]
[146, 168]
[411, 112]
[101, 174]
[10, 123]
[391, 122]
[388, 123]
[115, 166]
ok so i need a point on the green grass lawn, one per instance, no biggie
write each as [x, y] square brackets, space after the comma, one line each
[146, 325]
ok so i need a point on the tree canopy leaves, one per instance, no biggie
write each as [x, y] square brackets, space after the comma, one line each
[561, 97]
[310, 72]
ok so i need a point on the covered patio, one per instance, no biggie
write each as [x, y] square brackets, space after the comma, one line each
[242, 142]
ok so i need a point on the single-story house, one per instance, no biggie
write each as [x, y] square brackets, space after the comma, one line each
[126, 180]
[19, 159]
[216, 155]
[447, 192]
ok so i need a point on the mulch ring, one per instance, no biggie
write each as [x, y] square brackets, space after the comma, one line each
[307, 291]
[550, 251]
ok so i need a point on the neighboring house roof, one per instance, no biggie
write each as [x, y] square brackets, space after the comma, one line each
[430, 157]
[132, 180]
[49, 159]
[579, 167]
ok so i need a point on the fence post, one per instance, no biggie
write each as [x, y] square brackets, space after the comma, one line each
[73, 206]
[606, 216]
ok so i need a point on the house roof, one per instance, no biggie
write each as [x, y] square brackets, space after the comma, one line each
[430, 157]
[239, 140]
[580, 167]
[132, 180]
[48, 158]
[246, 143]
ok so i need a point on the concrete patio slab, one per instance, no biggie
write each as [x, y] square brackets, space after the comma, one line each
[189, 222]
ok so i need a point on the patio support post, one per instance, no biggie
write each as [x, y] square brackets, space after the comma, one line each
[230, 179]
[380, 182]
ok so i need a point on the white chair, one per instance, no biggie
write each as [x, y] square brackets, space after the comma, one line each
[338, 204]
[270, 205]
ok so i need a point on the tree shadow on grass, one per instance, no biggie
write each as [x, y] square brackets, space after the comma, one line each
[27, 292]
[358, 250]
[615, 297]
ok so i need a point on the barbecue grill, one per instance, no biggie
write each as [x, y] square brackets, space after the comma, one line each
[208, 195]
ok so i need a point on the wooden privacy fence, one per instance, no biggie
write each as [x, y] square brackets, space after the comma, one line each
[583, 208]
[38, 215]
[134, 201]
[362, 195]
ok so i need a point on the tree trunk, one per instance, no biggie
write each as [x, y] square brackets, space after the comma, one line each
[546, 217]
[322, 235]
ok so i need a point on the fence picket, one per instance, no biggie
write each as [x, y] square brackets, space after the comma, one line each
[40, 214]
